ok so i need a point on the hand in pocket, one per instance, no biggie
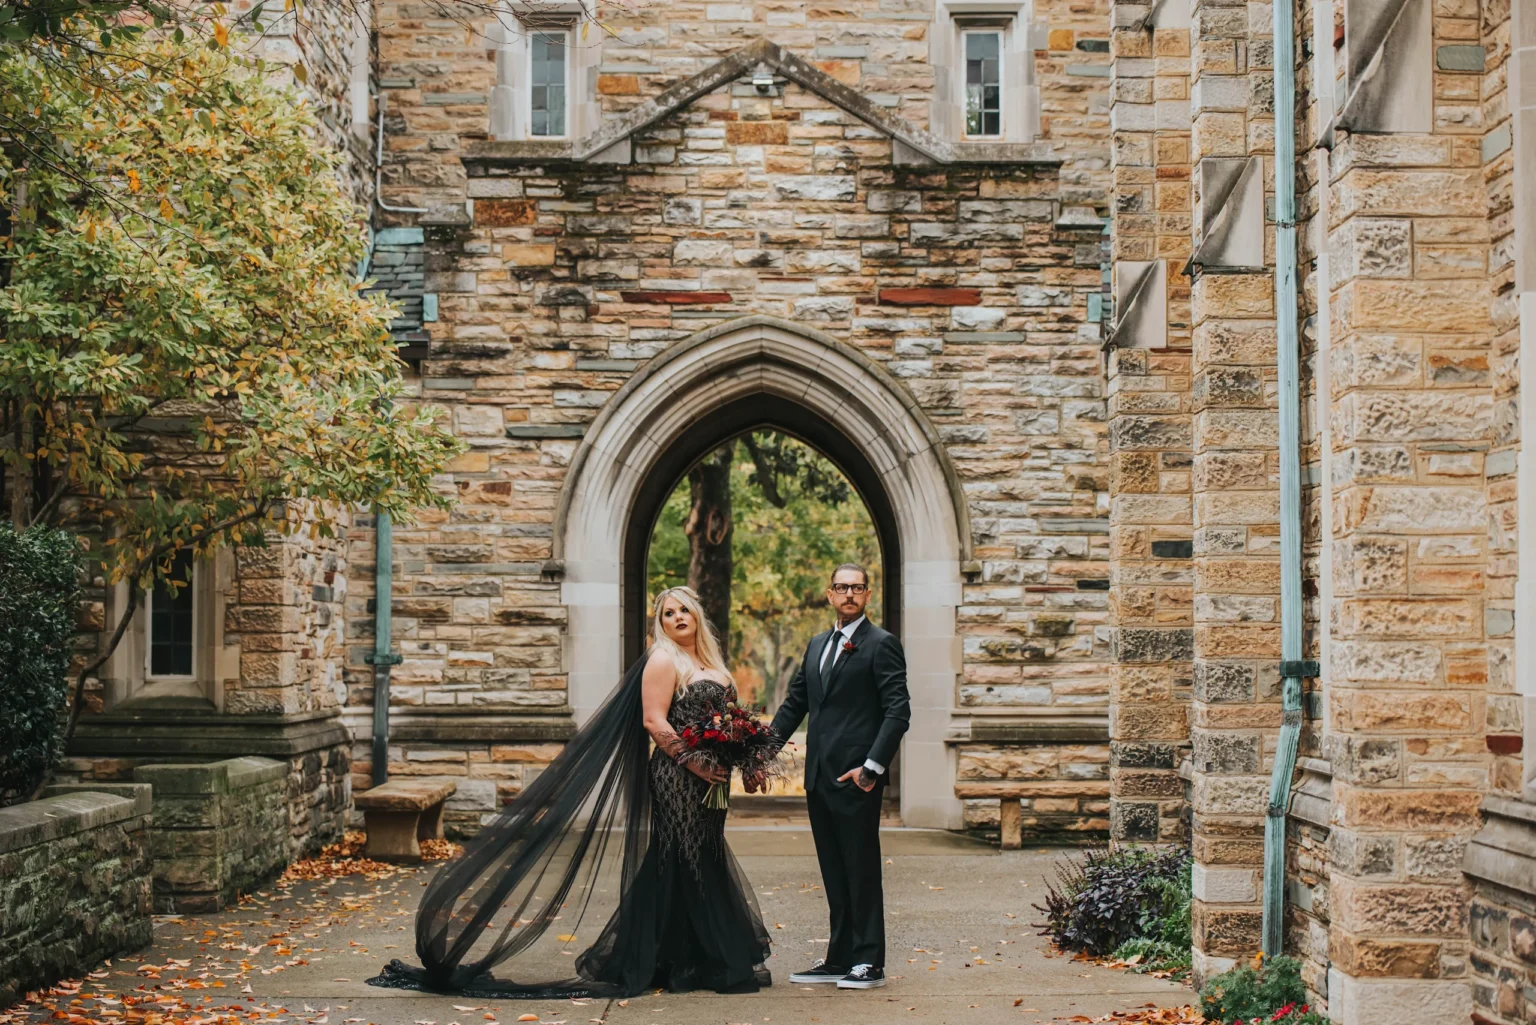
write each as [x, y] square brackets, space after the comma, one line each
[862, 778]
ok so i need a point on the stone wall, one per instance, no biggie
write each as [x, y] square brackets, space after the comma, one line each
[316, 787]
[328, 54]
[1501, 862]
[437, 68]
[969, 283]
[1410, 328]
[567, 281]
[1307, 859]
[1506, 170]
[1151, 530]
[74, 886]
[285, 618]
[217, 831]
[1062, 788]
[1407, 697]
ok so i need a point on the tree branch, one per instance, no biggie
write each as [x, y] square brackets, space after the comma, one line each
[54, 500]
[767, 477]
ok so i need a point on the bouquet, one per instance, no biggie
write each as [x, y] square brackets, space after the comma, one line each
[729, 738]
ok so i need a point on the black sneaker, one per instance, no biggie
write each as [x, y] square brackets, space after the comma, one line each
[863, 976]
[819, 971]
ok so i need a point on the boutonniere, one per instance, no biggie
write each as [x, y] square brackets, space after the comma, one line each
[849, 646]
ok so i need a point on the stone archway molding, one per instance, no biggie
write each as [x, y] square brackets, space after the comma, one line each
[751, 330]
[675, 392]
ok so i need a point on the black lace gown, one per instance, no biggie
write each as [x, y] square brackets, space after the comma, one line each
[707, 926]
[609, 832]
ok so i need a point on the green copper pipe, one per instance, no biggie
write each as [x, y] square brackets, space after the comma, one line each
[382, 659]
[1288, 359]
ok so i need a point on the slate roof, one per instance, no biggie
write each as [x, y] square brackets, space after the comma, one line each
[397, 265]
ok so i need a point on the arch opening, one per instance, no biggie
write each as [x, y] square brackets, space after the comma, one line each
[762, 581]
[762, 372]
[755, 412]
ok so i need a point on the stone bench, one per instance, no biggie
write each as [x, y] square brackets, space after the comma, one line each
[401, 813]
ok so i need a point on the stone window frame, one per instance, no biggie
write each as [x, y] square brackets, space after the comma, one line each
[564, 33]
[982, 27]
[1022, 36]
[510, 40]
[126, 677]
[196, 586]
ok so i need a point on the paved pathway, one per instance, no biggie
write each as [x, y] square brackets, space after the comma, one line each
[962, 950]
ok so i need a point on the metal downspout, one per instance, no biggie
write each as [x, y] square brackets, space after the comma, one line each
[382, 659]
[1288, 359]
[378, 174]
[383, 539]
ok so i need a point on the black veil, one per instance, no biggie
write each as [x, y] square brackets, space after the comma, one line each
[547, 889]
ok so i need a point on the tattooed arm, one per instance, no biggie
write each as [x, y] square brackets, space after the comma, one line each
[656, 689]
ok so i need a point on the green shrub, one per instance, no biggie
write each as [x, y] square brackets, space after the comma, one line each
[1164, 933]
[39, 605]
[1115, 896]
[1258, 990]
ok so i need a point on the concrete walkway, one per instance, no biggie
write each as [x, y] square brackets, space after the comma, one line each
[961, 941]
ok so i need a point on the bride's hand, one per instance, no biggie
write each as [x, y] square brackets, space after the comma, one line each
[709, 773]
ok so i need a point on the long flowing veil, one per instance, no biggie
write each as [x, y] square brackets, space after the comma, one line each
[543, 892]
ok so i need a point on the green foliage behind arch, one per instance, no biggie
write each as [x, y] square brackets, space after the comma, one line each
[782, 555]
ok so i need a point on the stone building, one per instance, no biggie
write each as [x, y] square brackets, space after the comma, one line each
[1019, 267]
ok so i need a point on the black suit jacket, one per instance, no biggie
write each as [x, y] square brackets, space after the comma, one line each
[860, 710]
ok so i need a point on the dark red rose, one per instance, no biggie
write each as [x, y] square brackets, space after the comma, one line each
[848, 646]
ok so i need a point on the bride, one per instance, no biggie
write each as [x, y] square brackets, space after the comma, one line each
[616, 820]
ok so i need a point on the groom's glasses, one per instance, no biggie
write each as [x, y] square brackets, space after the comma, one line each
[850, 588]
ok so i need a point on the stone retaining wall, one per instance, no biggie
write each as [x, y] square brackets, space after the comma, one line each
[74, 885]
[217, 832]
[315, 747]
[1501, 862]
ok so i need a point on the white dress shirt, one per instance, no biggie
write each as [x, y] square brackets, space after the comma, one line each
[841, 636]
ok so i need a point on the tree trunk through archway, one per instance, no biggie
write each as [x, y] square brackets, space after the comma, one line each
[709, 530]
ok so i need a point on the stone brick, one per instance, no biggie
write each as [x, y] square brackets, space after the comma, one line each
[506, 213]
[757, 133]
[521, 255]
[1419, 810]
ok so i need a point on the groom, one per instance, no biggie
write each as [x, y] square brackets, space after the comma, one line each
[853, 682]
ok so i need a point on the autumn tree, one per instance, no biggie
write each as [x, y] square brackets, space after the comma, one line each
[185, 348]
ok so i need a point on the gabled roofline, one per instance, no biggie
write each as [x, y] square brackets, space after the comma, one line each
[923, 145]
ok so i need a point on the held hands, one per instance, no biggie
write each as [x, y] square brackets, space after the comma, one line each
[709, 773]
[862, 778]
[754, 781]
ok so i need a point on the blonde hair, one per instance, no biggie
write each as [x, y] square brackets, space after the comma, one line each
[706, 646]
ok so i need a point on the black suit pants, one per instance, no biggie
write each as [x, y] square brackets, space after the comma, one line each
[845, 823]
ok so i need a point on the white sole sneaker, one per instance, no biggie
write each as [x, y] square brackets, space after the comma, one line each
[801, 979]
[860, 983]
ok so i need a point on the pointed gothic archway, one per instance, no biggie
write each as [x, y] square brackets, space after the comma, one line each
[762, 371]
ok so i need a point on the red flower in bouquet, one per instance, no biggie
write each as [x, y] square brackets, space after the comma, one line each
[730, 738]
